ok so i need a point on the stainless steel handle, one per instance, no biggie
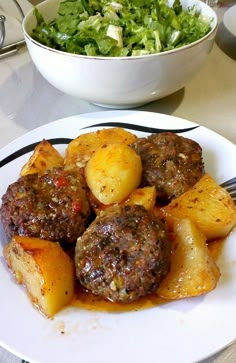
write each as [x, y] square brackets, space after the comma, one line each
[19, 8]
[2, 30]
[11, 49]
[14, 47]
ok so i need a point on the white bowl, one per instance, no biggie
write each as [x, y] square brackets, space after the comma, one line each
[118, 82]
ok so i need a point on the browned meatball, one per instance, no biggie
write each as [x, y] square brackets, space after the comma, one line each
[51, 206]
[172, 163]
[123, 254]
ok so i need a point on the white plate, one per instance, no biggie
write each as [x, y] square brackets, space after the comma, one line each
[229, 19]
[182, 332]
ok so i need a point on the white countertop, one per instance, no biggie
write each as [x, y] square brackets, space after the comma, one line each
[28, 101]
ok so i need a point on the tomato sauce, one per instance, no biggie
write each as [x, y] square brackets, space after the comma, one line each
[89, 301]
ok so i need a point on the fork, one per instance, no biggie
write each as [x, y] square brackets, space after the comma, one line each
[14, 47]
[230, 186]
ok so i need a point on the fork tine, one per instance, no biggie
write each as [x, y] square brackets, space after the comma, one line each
[230, 187]
[229, 183]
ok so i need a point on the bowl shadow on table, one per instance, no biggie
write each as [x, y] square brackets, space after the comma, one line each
[38, 102]
[166, 105]
[226, 41]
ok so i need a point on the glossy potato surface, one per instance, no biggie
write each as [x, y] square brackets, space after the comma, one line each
[84, 146]
[113, 172]
[193, 270]
[44, 157]
[208, 205]
[44, 269]
[143, 196]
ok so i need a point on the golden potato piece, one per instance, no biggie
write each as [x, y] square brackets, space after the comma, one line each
[193, 270]
[44, 157]
[45, 269]
[83, 147]
[143, 196]
[208, 205]
[113, 172]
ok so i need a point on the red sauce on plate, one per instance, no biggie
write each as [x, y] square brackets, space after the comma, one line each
[88, 301]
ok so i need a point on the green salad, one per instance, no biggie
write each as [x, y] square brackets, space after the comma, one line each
[121, 27]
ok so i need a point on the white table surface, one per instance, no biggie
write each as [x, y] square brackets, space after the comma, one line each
[28, 101]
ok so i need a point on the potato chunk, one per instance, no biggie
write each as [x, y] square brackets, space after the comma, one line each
[208, 205]
[143, 196]
[84, 146]
[193, 270]
[113, 172]
[44, 157]
[45, 269]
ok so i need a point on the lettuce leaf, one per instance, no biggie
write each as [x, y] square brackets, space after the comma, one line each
[148, 27]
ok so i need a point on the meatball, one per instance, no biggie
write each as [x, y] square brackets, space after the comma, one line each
[123, 255]
[51, 206]
[171, 163]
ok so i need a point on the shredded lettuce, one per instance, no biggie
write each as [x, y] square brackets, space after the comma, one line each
[118, 28]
